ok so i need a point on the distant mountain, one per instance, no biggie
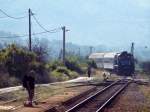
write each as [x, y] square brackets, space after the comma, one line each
[55, 47]
[8, 37]
[82, 50]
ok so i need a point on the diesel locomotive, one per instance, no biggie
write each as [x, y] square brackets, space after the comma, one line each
[119, 63]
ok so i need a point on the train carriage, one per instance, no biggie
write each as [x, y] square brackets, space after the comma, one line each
[119, 63]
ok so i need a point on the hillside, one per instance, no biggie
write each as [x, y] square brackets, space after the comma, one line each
[54, 46]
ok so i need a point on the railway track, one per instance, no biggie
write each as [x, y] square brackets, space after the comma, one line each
[80, 106]
[98, 101]
[16, 106]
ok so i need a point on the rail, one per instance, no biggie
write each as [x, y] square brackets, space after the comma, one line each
[91, 97]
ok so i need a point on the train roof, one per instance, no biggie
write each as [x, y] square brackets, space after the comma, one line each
[103, 55]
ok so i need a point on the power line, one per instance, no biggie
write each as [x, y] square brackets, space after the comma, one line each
[25, 35]
[11, 16]
[3, 17]
[40, 25]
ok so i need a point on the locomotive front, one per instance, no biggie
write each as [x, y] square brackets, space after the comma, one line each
[125, 64]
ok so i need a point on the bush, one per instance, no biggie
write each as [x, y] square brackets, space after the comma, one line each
[7, 81]
[92, 64]
[63, 70]
[14, 81]
[58, 76]
[73, 75]
[17, 62]
[62, 74]
[53, 65]
[73, 64]
[41, 72]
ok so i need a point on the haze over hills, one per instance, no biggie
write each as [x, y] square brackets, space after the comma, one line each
[141, 52]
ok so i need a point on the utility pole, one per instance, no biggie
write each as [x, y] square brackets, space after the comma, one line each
[132, 48]
[91, 49]
[132, 52]
[30, 42]
[60, 54]
[64, 43]
[79, 51]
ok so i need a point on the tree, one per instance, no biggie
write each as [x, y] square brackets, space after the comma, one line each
[42, 50]
[16, 60]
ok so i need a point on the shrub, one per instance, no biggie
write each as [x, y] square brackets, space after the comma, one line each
[53, 65]
[62, 74]
[7, 81]
[92, 64]
[73, 75]
[17, 61]
[63, 70]
[14, 81]
[58, 76]
[73, 64]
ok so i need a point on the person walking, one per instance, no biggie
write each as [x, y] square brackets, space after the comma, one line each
[29, 84]
[89, 71]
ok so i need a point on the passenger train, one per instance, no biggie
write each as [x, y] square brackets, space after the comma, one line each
[119, 63]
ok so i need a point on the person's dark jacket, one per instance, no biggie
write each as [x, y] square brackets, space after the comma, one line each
[28, 82]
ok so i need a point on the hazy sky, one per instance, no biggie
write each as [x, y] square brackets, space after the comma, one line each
[91, 22]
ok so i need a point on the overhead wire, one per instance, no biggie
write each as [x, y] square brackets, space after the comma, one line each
[40, 25]
[25, 35]
[7, 15]
[3, 17]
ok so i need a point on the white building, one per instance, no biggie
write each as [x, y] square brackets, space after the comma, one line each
[104, 60]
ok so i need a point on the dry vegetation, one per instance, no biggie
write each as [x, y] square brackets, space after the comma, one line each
[146, 92]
